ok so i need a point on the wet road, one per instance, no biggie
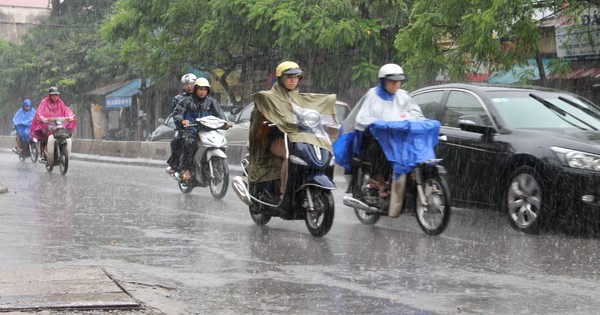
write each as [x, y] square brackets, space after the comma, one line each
[186, 254]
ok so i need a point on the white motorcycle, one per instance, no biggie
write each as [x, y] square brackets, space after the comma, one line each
[210, 160]
[59, 145]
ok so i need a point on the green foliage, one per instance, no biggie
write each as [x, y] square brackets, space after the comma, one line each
[65, 51]
[331, 39]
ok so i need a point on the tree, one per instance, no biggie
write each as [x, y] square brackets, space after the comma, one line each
[66, 51]
[338, 42]
[459, 36]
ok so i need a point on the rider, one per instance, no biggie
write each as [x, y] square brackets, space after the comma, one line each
[51, 106]
[268, 148]
[199, 104]
[187, 84]
[387, 102]
[22, 122]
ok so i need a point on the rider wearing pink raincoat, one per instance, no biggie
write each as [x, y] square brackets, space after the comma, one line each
[51, 106]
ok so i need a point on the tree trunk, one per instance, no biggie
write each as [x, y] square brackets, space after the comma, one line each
[542, 71]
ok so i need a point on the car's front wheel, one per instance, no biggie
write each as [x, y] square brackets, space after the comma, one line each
[525, 205]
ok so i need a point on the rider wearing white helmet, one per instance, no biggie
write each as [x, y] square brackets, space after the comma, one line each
[199, 104]
[187, 84]
[387, 102]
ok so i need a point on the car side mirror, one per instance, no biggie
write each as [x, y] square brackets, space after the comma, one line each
[231, 117]
[474, 123]
[161, 121]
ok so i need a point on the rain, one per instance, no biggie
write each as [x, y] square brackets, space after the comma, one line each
[115, 211]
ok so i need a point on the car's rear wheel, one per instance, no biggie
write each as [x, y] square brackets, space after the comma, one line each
[525, 206]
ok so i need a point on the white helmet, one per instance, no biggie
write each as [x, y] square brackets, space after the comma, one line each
[202, 82]
[188, 78]
[391, 71]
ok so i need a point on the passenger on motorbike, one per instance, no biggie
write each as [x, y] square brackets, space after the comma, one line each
[22, 122]
[187, 84]
[199, 104]
[387, 102]
[267, 146]
[50, 107]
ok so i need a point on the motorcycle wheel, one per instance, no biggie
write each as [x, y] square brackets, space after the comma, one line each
[367, 218]
[185, 187]
[220, 182]
[434, 217]
[33, 151]
[320, 220]
[63, 159]
[259, 219]
[50, 167]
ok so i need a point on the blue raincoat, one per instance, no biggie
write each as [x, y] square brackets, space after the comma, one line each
[22, 120]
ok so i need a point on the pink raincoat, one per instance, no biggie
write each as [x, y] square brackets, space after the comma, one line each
[49, 109]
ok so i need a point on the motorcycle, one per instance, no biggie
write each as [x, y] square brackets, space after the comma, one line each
[308, 186]
[423, 190]
[59, 144]
[210, 161]
[29, 147]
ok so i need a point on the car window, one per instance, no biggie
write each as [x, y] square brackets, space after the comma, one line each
[520, 110]
[430, 103]
[244, 115]
[462, 103]
[170, 122]
[341, 111]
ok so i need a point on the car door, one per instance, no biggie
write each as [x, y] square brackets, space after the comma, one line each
[470, 157]
[238, 133]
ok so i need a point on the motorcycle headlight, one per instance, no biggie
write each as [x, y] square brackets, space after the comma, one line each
[311, 118]
[578, 159]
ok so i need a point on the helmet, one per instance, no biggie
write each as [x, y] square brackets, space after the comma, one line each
[54, 91]
[188, 78]
[391, 71]
[27, 102]
[289, 68]
[202, 82]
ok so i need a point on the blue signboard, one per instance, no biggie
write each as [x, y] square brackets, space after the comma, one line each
[118, 102]
[122, 98]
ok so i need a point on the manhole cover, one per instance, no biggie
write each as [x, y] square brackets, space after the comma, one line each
[35, 288]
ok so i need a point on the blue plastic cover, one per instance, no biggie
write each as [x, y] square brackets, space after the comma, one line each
[405, 143]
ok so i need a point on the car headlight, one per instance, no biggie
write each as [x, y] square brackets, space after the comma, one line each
[578, 159]
[311, 118]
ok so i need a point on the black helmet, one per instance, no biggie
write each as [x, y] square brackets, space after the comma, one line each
[54, 91]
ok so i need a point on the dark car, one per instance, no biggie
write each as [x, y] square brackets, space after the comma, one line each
[532, 152]
[238, 134]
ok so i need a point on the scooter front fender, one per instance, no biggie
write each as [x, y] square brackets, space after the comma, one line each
[50, 150]
[318, 180]
[215, 152]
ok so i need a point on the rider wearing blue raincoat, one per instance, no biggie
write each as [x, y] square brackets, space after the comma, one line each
[22, 122]
[387, 128]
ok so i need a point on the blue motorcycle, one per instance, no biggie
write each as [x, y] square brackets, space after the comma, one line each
[308, 186]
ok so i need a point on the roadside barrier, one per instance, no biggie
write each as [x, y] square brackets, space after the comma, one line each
[153, 152]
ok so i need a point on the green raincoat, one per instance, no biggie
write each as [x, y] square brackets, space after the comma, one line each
[281, 107]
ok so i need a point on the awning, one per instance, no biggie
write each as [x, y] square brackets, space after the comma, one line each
[122, 98]
[103, 90]
[529, 71]
[578, 74]
[197, 73]
[478, 77]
